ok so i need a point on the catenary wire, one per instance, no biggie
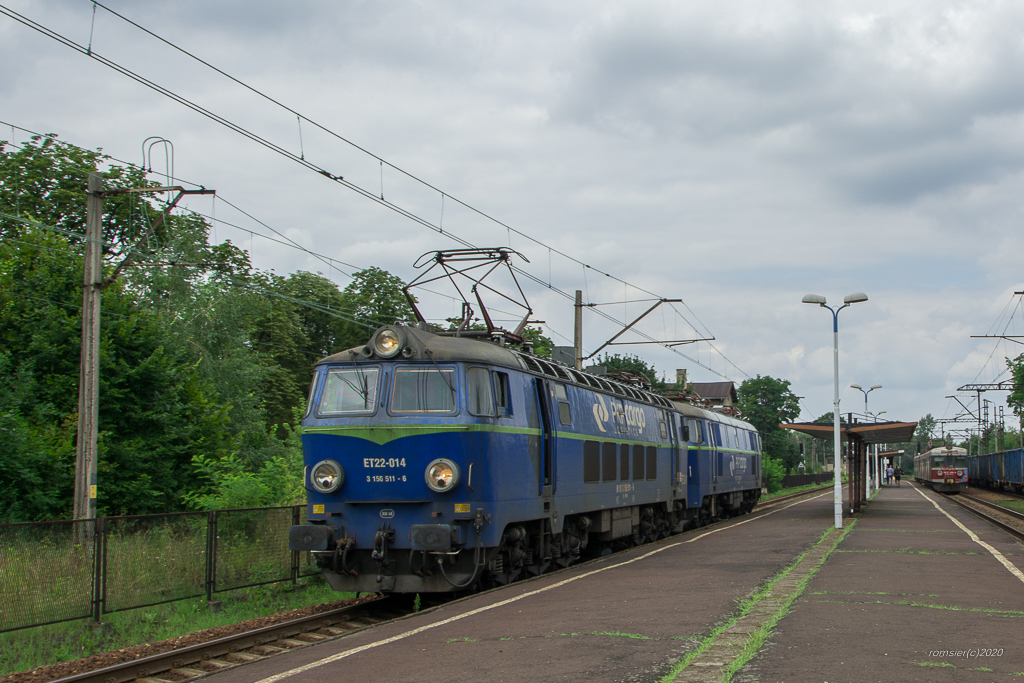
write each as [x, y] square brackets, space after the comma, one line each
[336, 178]
[330, 261]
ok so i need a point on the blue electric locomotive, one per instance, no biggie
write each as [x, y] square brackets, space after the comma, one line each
[440, 463]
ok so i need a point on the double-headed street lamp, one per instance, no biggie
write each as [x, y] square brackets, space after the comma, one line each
[866, 392]
[868, 481]
[820, 300]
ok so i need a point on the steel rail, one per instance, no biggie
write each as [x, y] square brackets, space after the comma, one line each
[1012, 530]
[790, 496]
[178, 661]
[995, 506]
[281, 637]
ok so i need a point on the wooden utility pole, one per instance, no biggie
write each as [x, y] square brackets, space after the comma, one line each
[89, 373]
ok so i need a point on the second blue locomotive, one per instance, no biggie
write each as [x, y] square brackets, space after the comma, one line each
[440, 463]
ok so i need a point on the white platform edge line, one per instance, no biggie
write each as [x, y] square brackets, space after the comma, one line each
[427, 627]
[995, 553]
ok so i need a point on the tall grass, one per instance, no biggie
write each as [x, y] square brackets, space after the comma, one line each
[31, 648]
[47, 570]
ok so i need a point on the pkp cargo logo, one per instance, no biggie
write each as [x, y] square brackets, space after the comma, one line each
[600, 413]
[387, 514]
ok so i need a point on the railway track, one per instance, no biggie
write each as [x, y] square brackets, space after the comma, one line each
[204, 658]
[1006, 519]
[216, 655]
[771, 501]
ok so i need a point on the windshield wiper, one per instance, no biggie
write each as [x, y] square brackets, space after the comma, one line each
[441, 372]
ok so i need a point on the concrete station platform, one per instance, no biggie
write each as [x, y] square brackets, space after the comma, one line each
[908, 595]
[698, 605]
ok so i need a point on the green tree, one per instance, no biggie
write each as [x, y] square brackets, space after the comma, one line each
[155, 409]
[541, 345]
[772, 473]
[767, 402]
[204, 359]
[44, 181]
[375, 298]
[227, 482]
[323, 312]
[179, 374]
[925, 430]
[1016, 398]
[635, 365]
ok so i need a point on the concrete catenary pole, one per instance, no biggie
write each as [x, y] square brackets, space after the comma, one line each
[89, 373]
[578, 330]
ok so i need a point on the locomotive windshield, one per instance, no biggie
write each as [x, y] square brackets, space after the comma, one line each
[424, 390]
[949, 460]
[349, 391]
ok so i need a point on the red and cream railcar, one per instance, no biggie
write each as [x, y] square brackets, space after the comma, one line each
[943, 469]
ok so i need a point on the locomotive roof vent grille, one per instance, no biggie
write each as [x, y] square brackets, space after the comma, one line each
[531, 363]
[561, 372]
[582, 378]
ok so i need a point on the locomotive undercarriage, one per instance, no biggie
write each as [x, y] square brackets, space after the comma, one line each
[526, 549]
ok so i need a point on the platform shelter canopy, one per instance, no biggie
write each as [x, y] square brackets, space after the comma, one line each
[865, 432]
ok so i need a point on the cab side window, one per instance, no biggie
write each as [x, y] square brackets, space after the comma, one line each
[696, 435]
[503, 394]
[564, 414]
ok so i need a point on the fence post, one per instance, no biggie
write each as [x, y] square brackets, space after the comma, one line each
[211, 553]
[99, 563]
[296, 566]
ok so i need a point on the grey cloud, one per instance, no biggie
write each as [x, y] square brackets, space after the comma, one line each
[811, 93]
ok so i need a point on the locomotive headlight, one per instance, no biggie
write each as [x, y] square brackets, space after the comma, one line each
[327, 476]
[387, 342]
[442, 475]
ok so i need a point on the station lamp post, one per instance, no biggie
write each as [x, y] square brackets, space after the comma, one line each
[838, 458]
[868, 481]
[878, 468]
[866, 392]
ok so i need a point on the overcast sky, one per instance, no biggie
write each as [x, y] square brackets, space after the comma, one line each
[733, 155]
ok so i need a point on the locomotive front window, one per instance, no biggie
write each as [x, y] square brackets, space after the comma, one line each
[479, 396]
[423, 390]
[312, 390]
[349, 391]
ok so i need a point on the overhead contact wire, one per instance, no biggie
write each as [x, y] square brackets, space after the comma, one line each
[298, 159]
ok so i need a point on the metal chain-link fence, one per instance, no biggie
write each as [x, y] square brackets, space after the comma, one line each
[61, 571]
[46, 572]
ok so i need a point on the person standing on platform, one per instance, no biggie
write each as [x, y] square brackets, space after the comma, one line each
[888, 474]
[898, 473]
